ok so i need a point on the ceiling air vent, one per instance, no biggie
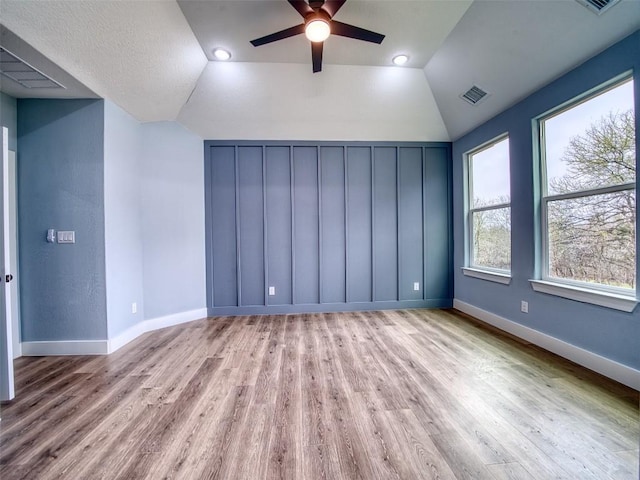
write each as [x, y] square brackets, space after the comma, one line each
[19, 71]
[474, 95]
[598, 6]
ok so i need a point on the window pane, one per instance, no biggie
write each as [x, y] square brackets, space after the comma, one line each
[592, 145]
[593, 239]
[490, 175]
[492, 238]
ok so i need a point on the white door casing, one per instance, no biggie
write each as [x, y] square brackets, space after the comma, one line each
[7, 391]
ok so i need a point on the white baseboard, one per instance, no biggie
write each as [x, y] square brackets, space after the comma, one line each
[105, 347]
[152, 324]
[65, 347]
[609, 368]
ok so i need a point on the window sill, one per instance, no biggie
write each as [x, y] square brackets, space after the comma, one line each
[603, 299]
[503, 278]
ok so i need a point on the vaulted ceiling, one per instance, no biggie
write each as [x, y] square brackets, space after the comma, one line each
[154, 59]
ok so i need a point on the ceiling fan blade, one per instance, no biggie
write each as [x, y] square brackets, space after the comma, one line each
[346, 30]
[286, 33]
[316, 56]
[332, 6]
[301, 6]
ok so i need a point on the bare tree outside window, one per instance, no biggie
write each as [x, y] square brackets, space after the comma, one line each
[490, 207]
[591, 208]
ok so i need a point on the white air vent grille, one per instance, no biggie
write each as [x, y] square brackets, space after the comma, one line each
[21, 72]
[598, 6]
[474, 95]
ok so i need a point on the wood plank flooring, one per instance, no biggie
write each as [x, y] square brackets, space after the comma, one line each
[371, 395]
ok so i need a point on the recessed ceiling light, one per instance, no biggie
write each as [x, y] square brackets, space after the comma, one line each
[400, 59]
[221, 54]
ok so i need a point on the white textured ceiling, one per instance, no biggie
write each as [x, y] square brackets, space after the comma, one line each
[414, 27]
[149, 57]
[142, 55]
[511, 48]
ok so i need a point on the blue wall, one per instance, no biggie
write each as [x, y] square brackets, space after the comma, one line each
[123, 235]
[172, 219]
[61, 186]
[134, 195]
[610, 333]
[9, 118]
[331, 226]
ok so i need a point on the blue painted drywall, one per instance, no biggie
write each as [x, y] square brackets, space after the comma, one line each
[172, 219]
[610, 333]
[331, 226]
[123, 235]
[61, 186]
[9, 118]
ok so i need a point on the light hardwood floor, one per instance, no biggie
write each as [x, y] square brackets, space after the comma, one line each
[376, 395]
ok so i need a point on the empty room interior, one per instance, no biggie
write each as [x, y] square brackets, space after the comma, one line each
[306, 239]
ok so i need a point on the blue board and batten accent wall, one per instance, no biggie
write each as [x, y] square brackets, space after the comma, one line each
[332, 226]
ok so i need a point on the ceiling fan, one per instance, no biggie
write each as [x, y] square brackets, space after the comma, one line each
[318, 25]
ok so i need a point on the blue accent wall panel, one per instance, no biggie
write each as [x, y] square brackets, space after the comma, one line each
[305, 225]
[410, 221]
[325, 223]
[223, 222]
[251, 225]
[61, 186]
[278, 193]
[606, 332]
[385, 208]
[333, 250]
[359, 268]
[438, 248]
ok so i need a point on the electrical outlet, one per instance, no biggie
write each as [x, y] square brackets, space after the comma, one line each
[272, 291]
[134, 307]
[416, 286]
[524, 306]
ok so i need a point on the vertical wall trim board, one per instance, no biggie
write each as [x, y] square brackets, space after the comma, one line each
[293, 226]
[319, 187]
[238, 240]
[373, 224]
[369, 277]
[449, 153]
[346, 255]
[347, 295]
[425, 247]
[265, 246]
[399, 223]
[208, 179]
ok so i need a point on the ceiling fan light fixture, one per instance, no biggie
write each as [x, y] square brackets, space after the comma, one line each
[317, 30]
[221, 54]
[400, 59]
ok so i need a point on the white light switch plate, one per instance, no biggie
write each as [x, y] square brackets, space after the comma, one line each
[272, 291]
[68, 236]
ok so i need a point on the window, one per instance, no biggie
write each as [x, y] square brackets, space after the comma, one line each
[588, 196]
[489, 217]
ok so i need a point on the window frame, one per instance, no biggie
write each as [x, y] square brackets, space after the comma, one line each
[470, 269]
[600, 294]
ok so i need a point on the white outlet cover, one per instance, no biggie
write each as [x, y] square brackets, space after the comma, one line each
[416, 286]
[272, 291]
